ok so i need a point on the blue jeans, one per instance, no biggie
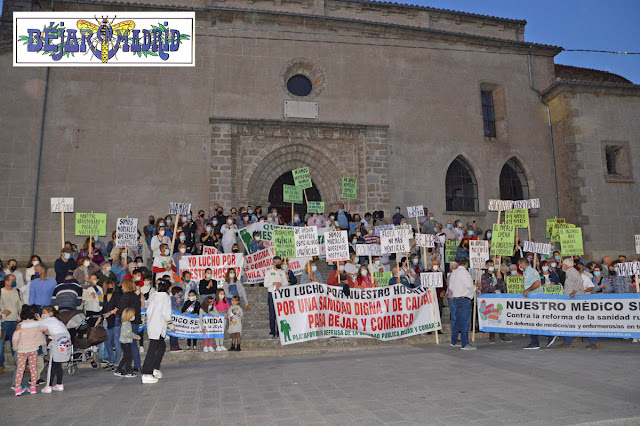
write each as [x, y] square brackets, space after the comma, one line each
[135, 348]
[462, 321]
[173, 342]
[567, 340]
[113, 343]
[8, 328]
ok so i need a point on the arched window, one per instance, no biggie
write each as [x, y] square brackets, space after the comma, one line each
[461, 187]
[513, 182]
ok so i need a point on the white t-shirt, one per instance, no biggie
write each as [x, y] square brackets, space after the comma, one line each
[162, 262]
[586, 282]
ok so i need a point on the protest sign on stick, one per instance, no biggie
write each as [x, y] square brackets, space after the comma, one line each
[394, 241]
[337, 246]
[571, 241]
[177, 209]
[127, 232]
[415, 211]
[478, 253]
[284, 243]
[369, 250]
[306, 241]
[349, 190]
[62, 206]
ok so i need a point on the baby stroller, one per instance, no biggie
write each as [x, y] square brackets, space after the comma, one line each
[85, 337]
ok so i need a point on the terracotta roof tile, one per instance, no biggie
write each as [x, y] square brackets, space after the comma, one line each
[571, 73]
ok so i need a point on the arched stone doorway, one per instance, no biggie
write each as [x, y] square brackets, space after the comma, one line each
[284, 209]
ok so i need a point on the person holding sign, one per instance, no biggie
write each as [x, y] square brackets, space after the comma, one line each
[599, 282]
[462, 291]
[532, 285]
[339, 277]
[549, 276]
[274, 279]
[256, 243]
[311, 274]
[65, 265]
[365, 280]
[163, 264]
[492, 282]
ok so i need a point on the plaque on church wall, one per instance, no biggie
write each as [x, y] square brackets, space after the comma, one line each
[300, 109]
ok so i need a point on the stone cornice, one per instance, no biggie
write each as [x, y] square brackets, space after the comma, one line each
[284, 124]
[574, 86]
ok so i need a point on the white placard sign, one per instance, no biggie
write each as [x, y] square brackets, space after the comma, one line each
[368, 250]
[637, 244]
[406, 228]
[337, 246]
[540, 248]
[382, 228]
[500, 205]
[415, 211]
[431, 279]
[425, 240]
[533, 203]
[127, 232]
[627, 269]
[394, 241]
[478, 253]
[62, 205]
[306, 240]
[182, 209]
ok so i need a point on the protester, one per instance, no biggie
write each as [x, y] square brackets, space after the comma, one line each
[274, 279]
[222, 306]
[463, 291]
[64, 265]
[208, 308]
[256, 243]
[208, 286]
[26, 343]
[12, 269]
[232, 286]
[112, 323]
[176, 305]
[67, 296]
[235, 314]
[158, 321]
[364, 279]
[130, 299]
[41, 289]
[127, 337]
[573, 286]
[10, 306]
[403, 277]
[493, 282]
[191, 306]
[311, 274]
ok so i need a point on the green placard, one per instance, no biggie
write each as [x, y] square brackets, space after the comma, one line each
[91, 224]
[553, 289]
[555, 232]
[302, 177]
[450, 251]
[349, 188]
[502, 240]
[292, 194]
[284, 244]
[382, 278]
[315, 207]
[550, 223]
[515, 284]
[571, 242]
[518, 218]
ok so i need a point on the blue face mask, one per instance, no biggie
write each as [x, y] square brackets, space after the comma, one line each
[169, 221]
[13, 284]
[182, 238]
[209, 229]
[557, 257]
[596, 273]
[470, 233]
[275, 214]
[297, 219]
[166, 252]
[67, 255]
[250, 211]
[415, 261]
[108, 268]
[435, 229]
[545, 268]
[96, 238]
[359, 234]
[488, 234]
[449, 226]
[514, 272]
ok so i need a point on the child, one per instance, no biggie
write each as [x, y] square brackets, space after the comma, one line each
[60, 346]
[127, 336]
[188, 284]
[208, 308]
[176, 305]
[235, 323]
[191, 307]
[222, 305]
[26, 343]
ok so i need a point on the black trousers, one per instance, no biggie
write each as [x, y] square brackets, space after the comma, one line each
[55, 372]
[127, 358]
[155, 352]
[192, 342]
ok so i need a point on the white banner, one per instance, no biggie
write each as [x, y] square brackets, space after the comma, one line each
[394, 241]
[540, 248]
[191, 326]
[127, 232]
[533, 203]
[62, 205]
[415, 211]
[219, 263]
[306, 240]
[257, 264]
[210, 250]
[314, 311]
[181, 209]
[425, 240]
[614, 315]
[337, 246]
[431, 279]
[368, 250]
[500, 205]
[478, 253]
[628, 268]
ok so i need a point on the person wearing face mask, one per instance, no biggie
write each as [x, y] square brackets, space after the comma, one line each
[208, 286]
[256, 243]
[84, 270]
[331, 221]
[619, 283]
[548, 276]
[370, 237]
[492, 282]
[10, 306]
[352, 266]
[277, 218]
[208, 237]
[183, 239]
[105, 273]
[149, 229]
[441, 293]
[297, 221]
[311, 274]
[397, 217]
[119, 266]
[65, 265]
[364, 279]
[181, 253]
[191, 306]
[463, 249]
[92, 300]
[163, 265]
[140, 264]
[274, 279]
[110, 300]
[233, 286]
[317, 220]
[12, 269]
[158, 240]
[449, 233]
[41, 289]
[457, 228]
[229, 234]
[600, 283]
[130, 299]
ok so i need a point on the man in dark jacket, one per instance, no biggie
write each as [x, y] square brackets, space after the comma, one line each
[65, 265]
[67, 295]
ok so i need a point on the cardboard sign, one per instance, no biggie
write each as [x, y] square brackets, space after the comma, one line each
[502, 240]
[368, 250]
[306, 241]
[259, 263]
[515, 284]
[302, 177]
[383, 278]
[500, 205]
[450, 251]
[91, 224]
[284, 243]
[62, 205]
[292, 194]
[627, 269]
[518, 218]
[550, 223]
[540, 248]
[478, 253]
[315, 207]
[553, 289]
[555, 233]
[394, 241]
[571, 242]
[431, 279]
[181, 209]
[533, 203]
[415, 211]
[349, 188]
[127, 232]
[336, 246]
[425, 240]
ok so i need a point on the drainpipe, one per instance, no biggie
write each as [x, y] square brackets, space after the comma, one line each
[35, 197]
[553, 151]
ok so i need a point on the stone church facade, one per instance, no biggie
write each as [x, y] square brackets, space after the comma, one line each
[423, 105]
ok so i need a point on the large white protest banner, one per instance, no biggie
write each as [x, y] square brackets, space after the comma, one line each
[628, 268]
[314, 311]
[190, 326]
[181, 209]
[306, 240]
[368, 250]
[394, 241]
[219, 263]
[611, 315]
[127, 232]
[500, 205]
[415, 211]
[478, 253]
[431, 279]
[257, 264]
[533, 203]
[337, 246]
[62, 205]
[540, 248]
[425, 240]
[210, 250]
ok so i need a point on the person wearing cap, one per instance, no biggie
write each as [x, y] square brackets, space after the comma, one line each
[573, 285]
[274, 279]
[105, 273]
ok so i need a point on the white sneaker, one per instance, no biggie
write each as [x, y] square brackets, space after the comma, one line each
[157, 374]
[46, 389]
[141, 349]
[219, 349]
[469, 347]
[58, 388]
[223, 349]
[205, 349]
[148, 379]
[634, 341]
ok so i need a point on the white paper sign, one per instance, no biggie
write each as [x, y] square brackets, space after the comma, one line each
[337, 246]
[306, 239]
[382, 228]
[415, 211]
[533, 203]
[425, 240]
[179, 208]
[394, 241]
[431, 279]
[127, 232]
[637, 244]
[368, 250]
[540, 248]
[478, 253]
[408, 231]
[628, 268]
[500, 205]
[62, 205]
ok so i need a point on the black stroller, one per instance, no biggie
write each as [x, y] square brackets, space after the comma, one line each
[86, 335]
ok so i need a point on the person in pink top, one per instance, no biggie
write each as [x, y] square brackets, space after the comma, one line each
[318, 220]
[222, 306]
[26, 343]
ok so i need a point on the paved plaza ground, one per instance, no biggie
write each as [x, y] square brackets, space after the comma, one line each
[425, 384]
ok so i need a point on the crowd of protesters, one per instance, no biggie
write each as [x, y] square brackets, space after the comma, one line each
[112, 285]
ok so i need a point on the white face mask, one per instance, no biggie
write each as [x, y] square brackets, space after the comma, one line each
[86, 264]
[161, 233]
[341, 267]
[491, 269]
[44, 316]
[183, 250]
[192, 298]
[140, 264]
[435, 267]
[364, 272]
[554, 264]
[232, 275]
[35, 262]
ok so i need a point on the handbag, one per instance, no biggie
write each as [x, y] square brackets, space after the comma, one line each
[97, 335]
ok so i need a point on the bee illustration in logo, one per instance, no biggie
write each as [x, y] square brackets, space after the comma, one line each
[104, 46]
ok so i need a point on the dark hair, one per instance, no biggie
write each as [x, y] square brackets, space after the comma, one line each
[175, 290]
[186, 271]
[487, 262]
[277, 258]
[164, 286]
[28, 312]
[52, 310]
[192, 291]
[136, 271]
[463, 262]
[256, 233]
[237, 298]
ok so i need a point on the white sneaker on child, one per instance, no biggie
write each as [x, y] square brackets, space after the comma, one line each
[219, 349]
[223, 349]
[205, 349]
[46, 389]
[211, 349]
[58, 388]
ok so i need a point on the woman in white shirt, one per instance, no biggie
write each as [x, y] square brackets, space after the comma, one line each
[228, 235]
[157, 240]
